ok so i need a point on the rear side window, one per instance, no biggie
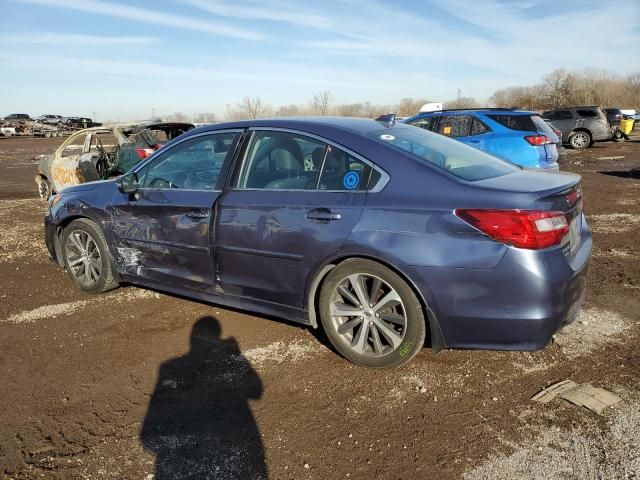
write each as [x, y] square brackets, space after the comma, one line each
[289, 161]
[455, 125]
[521, 123]
[461, 160]
[587, 113]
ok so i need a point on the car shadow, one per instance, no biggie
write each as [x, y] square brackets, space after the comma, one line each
[632, 173]
[199, 423]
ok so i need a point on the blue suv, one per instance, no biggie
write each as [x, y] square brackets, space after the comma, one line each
[519, 137]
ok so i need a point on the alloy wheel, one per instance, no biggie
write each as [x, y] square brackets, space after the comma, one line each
[368, 314]
[580, 140]
[83, 258]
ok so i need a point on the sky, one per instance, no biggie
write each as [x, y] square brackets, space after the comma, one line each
[117, 60]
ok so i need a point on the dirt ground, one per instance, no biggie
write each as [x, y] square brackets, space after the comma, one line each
[138, 384]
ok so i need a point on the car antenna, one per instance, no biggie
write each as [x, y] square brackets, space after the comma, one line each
[389, 119]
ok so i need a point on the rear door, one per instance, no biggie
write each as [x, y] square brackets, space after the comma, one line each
[164, 231]
[293, 202]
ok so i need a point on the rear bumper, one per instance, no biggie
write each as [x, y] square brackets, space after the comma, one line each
[518, 305]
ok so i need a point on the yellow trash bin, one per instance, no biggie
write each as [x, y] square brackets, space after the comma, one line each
[626, 125]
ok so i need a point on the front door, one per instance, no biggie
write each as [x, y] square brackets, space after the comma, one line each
[293, 203]
[164, 231]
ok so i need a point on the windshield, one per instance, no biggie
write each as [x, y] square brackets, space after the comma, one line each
[451, 155]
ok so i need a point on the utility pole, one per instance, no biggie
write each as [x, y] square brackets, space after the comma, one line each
[459, 95]
[153, 113]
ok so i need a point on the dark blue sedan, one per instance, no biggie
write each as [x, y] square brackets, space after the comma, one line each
[385, 235]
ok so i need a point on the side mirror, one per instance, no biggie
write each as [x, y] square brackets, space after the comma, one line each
[128, 183]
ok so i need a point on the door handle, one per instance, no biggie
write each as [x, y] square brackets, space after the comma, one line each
[322, 214]
[198, 215]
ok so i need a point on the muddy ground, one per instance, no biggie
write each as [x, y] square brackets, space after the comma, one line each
[134, 383]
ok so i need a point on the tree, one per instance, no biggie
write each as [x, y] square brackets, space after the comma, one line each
[253, 107]
[409, 107]
[462, 102]
[321, 102]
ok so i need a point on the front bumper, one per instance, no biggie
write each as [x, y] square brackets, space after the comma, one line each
[518, 305]
[51, 239]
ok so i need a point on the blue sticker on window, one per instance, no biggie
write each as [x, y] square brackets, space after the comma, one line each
[351, 180]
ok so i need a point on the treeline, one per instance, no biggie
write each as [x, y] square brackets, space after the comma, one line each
[564, 88]
[560, 88]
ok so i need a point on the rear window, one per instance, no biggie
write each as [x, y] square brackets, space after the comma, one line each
[515, 122]
[455, 157]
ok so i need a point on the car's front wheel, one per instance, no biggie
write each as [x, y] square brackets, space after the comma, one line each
[580, 139]
[86, 257]
[370, 314]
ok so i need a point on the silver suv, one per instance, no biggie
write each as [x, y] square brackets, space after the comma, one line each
[580, 126]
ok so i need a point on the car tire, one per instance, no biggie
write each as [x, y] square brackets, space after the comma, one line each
[44, 188]
[371, 333]
[86, 256]
[580, 139]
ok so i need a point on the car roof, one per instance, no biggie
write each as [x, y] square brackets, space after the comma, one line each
[354, 124]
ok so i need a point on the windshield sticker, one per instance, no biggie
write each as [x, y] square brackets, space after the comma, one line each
[351, 180]
[387, 137]
[446, 131]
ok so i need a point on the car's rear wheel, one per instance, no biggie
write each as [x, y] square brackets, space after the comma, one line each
[580, 139]
[370, 314]
[86, 257]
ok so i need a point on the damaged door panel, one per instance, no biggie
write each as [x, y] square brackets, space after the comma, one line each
[164, 231]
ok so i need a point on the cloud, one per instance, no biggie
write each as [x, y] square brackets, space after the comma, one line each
[150, 16]
[72, 38]
[277, 11]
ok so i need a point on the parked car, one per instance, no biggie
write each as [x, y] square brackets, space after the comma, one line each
[144, 139]
[519, 137]
[374, 230]
[51, 119]
[580, 126]
[614, 115]
[101, 152]
[558, 132]
[17, 116]
[80, 122]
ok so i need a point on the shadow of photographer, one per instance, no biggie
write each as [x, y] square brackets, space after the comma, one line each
[199, 424]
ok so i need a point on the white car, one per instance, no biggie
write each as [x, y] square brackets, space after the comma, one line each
[51, 119]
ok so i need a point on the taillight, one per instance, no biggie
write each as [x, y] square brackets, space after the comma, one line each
[532, 229]
[536, 140]
[144, 152]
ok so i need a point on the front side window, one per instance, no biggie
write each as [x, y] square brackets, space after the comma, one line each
[428, 123]
[559, 115]
[291, 161]
[194, 164]
[75, 145]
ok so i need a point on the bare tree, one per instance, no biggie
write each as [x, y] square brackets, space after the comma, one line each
[253, 107]
[410, 106]
[322, 102]
[289, 111]
[462, 102]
